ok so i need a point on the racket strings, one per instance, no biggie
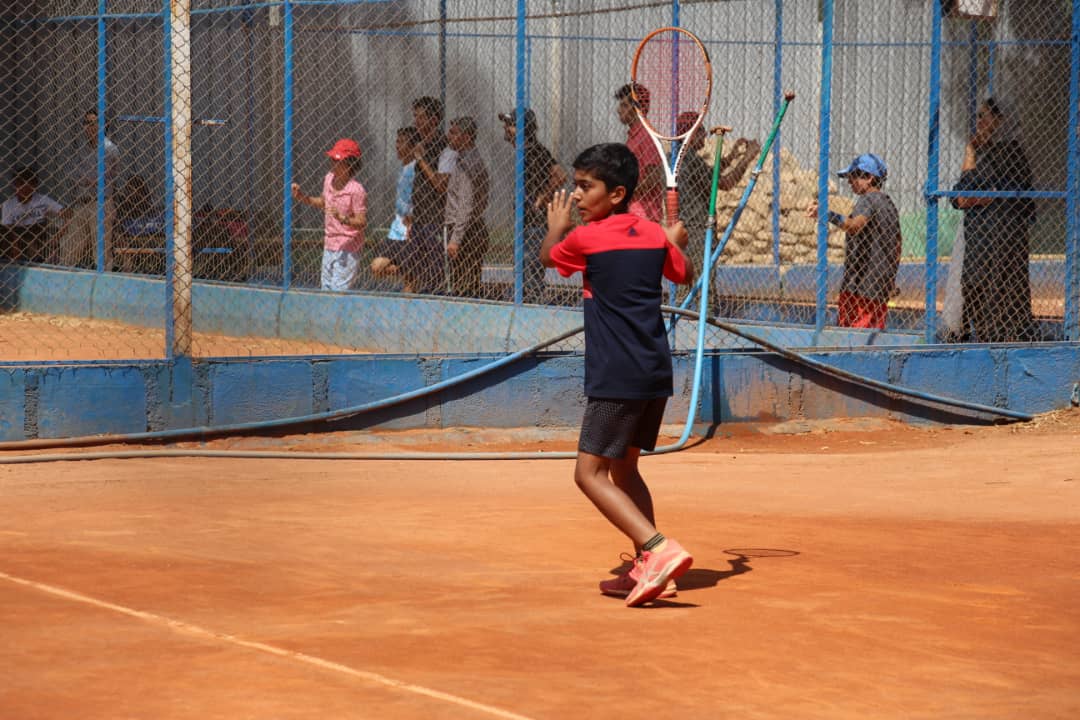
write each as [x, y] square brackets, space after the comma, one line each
[672, 80]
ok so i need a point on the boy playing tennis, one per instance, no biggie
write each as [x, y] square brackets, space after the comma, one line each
[627, 359]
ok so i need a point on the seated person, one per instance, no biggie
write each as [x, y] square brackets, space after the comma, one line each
[25, 219]
[220, 238]
[139, 245]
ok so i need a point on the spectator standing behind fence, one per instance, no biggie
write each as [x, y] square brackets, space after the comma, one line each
[466, 202]
[389, 261]
[995, 281]
[344, 205]
[648, 198]
[79, 245]
[25, 219]
[543, 176]
[695, 179]
[872, 245]
[424, 259]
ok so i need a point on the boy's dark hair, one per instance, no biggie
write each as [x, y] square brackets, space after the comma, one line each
[629, 90]
[355, 164]
[410, 133]
[612, 164]
[26, 176]
[432, 106]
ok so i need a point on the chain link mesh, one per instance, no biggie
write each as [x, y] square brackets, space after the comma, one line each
[92, 267]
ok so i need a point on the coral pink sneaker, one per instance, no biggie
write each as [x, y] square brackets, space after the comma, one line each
[622, 585]
[654, 569]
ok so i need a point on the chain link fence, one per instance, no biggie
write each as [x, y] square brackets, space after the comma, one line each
[423, 237]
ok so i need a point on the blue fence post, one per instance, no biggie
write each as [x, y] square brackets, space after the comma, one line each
[824, 122]
[778, 91]
[170, 185]
[287, 145]
[102, 73]
[932, 163]
[442, 53]
[248, 19]
[973, 75]
[1072, 206]
[521, 82]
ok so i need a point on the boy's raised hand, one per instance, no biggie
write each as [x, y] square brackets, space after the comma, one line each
[558, 213]
[677, 235]
[811, 210]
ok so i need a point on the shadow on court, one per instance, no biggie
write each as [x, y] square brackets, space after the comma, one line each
[701, 578]
[698, 578]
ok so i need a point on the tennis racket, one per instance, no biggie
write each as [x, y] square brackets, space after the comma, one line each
[671, 82]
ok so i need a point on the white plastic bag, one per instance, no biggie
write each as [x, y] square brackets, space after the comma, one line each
[952, 311]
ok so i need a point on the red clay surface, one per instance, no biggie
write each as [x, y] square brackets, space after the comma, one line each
[929, 574]
[31, 336]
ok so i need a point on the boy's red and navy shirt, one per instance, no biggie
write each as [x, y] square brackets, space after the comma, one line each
[623, 259]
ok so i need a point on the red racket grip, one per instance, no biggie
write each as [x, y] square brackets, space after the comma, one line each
[671, 206]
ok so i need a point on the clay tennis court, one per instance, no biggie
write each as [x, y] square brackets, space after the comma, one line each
[854, 571]
[39, 337]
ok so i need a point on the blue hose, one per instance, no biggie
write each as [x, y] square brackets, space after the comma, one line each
[261, 425]
[877, 385]
[862, 380]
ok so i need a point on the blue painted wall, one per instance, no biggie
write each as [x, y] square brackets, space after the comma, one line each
[61, 401]
[740, 384]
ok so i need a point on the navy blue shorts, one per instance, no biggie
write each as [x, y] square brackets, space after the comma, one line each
[611, 427]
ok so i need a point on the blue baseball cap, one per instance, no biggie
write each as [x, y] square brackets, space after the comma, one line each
[868, 163]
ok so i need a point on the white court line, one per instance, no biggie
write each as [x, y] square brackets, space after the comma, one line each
[190, 629]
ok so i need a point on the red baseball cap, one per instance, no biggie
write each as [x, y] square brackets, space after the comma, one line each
[344, 148]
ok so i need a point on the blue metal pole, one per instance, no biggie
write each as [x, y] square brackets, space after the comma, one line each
[973, 76]
[778, 91]
[673, 287]
[933, 161]
[1072, 204]
[287, 146]
[249, 25]
[825, 119]
[102, 73]
[442, 53]
[170, 185]
[522, 80]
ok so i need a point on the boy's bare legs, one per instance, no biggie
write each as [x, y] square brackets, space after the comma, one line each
[613, 500]
[625, 475]
[618, 491]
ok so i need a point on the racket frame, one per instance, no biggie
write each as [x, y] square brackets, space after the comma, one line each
[671, 168]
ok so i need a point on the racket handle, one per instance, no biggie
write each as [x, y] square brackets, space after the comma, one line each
[671, 206]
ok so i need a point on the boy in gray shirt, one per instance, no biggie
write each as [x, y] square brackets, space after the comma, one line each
[872, 246]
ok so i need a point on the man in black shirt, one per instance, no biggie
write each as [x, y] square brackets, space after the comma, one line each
[543, 176]
[424, 261]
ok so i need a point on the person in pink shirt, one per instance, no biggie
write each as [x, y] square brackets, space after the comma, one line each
[648, 201]
[344, 202]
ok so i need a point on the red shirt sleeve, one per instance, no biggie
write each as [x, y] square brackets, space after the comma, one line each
[675, 268]
[642, 146]
[567, 255]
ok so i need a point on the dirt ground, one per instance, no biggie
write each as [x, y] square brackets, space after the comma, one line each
[32, 336]
[842, 570]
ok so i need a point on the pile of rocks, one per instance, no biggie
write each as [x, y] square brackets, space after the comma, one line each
[751, 242]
